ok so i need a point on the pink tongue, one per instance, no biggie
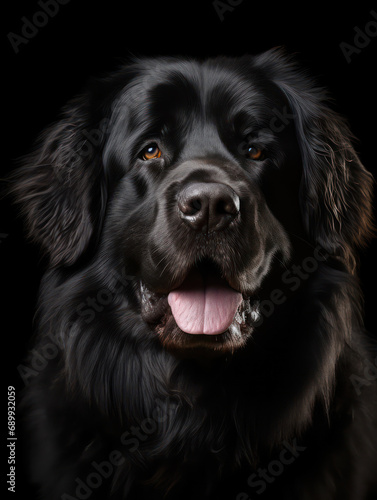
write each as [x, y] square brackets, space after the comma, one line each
[204, 307]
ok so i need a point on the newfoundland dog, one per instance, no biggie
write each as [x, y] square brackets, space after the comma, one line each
[200, 329]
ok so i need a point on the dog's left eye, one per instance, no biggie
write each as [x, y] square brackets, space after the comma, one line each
[255, 153]
[151, 152]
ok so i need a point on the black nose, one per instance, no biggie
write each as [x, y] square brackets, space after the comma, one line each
[208, 206]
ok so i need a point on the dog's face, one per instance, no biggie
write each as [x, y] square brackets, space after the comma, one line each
[207, 179]
[207, 197]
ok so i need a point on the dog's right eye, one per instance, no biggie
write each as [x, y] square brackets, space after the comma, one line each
[151, 152]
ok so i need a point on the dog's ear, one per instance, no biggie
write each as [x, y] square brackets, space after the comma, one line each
[336, 190]
[60, 185]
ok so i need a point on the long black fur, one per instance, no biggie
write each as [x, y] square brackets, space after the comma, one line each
[197, 426]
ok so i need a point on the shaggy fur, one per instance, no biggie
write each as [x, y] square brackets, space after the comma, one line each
[123, 404]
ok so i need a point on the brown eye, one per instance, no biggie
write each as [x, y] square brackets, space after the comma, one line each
[254, 153]
[151, 152]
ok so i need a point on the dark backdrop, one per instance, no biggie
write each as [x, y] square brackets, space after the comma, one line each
[83, 38]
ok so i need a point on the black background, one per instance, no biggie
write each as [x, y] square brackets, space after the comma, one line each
[86, 38]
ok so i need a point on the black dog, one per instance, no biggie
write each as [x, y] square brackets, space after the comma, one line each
[200, 319]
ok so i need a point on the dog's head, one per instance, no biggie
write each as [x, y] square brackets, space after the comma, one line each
[199, 180]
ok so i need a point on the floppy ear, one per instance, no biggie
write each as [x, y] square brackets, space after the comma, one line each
[336, 190]
[60, 186]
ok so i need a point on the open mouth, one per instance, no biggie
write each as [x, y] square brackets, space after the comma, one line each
[204, 311]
